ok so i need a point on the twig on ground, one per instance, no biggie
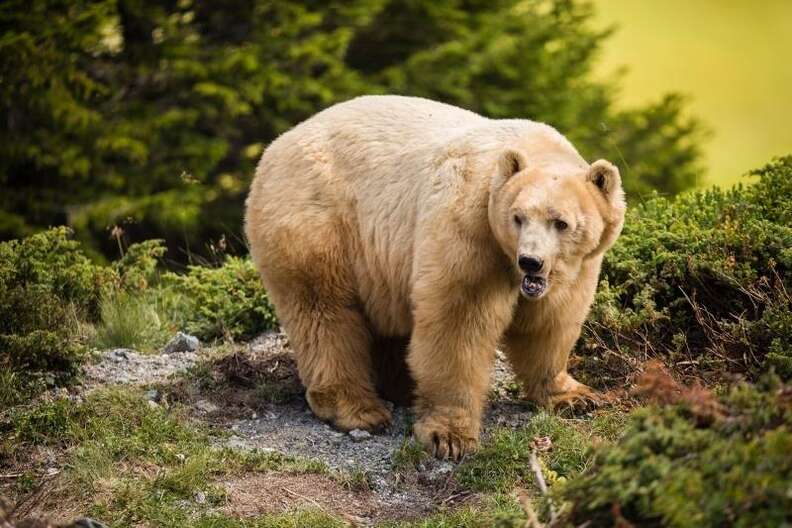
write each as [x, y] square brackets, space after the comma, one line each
[348, 520]
[540, 481]
[537, 469]
[525, 502]
[309, 499]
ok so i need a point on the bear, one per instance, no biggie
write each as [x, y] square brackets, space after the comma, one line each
[401, 217]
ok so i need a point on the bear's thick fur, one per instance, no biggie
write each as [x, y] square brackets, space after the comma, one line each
[388, 216]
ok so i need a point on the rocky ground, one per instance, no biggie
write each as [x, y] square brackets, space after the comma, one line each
[251, 397]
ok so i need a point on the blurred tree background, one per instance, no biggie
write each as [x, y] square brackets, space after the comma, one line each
[151, 115]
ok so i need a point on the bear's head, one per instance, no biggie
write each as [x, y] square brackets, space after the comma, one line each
[552, 215]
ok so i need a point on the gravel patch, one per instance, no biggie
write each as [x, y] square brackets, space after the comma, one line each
[125, 366]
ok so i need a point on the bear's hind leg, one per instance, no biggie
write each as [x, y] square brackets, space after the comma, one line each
[331, 343]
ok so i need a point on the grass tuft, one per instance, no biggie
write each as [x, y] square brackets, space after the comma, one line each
[409, 454]
[130, 321]
[502, 462]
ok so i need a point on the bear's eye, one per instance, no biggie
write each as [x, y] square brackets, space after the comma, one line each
[517, 220]
[561, 225]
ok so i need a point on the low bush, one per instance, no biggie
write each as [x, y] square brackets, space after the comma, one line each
[702, 282]
[227, 301]
[50, 294]
[671, 468]
[47, 286]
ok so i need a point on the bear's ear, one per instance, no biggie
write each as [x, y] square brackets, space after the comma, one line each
[605, 177]
[510, 163]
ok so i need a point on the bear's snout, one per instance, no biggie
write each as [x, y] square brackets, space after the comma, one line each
[530, 263]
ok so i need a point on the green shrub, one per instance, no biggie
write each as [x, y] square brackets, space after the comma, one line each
[47, 286]
[50, 294]
[670, 469]
[228, 301]
[703, 281]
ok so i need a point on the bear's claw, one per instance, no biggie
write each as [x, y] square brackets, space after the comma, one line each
[580, 399]
[444, 441]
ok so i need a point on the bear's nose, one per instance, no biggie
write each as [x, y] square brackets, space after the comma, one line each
[530, 264]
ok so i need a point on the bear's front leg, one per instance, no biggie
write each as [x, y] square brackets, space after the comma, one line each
[451, 354]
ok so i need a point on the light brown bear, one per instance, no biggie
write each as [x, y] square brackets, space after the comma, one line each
[398, 216]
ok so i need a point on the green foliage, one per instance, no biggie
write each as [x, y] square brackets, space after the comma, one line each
[703, 281]
[153, 115]
[50, 293]
[228, 301]
[136, 266]
[669, 469]
[46, 287]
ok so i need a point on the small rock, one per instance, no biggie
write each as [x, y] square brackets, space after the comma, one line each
[436, 472]
[235, 442]
[206, 406]
[153, 395]
[87, 522]
[118, 354]
[444, 468]
[200, 497]
[182, 342]
[358, 435]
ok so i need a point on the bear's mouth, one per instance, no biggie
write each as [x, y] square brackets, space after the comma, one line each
[533, 286]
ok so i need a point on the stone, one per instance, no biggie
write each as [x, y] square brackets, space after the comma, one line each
[118, 354]
[359, 435]
[206, 406]
[200, 497]
[182, 342]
